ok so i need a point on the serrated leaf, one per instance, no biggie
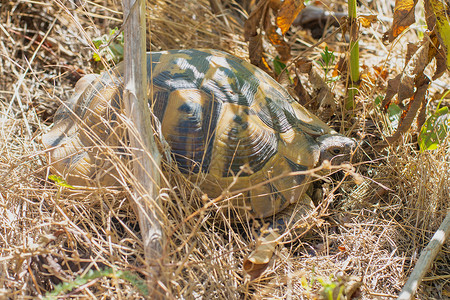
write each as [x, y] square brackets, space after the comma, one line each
[441, 10]
[403, 18]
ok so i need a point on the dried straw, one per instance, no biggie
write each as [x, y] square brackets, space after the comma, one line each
[374, 230]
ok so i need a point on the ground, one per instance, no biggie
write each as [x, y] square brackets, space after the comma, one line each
[372, 225]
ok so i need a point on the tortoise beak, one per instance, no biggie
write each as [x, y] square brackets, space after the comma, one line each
[349, 149]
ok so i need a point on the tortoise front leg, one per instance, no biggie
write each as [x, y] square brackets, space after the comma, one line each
[295, 218]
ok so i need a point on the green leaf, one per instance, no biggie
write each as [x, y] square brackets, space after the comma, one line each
[328, 57]
[96, 57]
[91, 275]
[98, 42]
[279, 66]
[394, 114]
[378, 100]
[327, 62]
[108, 49]
[434, 130]
[60, 181]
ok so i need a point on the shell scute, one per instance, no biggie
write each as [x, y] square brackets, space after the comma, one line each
[248, 145]
[226, 86]
[188, 125]
[174, 81]
[273, 116]
[241, 141]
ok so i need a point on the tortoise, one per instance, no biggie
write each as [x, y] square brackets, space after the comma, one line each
[226, 121]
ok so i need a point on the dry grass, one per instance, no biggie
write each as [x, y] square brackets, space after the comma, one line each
[374, 230]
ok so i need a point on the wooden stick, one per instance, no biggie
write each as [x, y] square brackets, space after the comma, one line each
[146, 157]
[425, 260]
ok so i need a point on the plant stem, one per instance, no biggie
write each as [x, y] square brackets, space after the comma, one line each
[354, 55]
[146, 156]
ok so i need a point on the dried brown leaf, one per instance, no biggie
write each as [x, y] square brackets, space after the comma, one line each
[302, 94]
[410, 113]
[430, 17]
[367, 20]
[403, 84]
[273, 36]
[391, 91]
[252, 33]
[287, 14]
[381, 71]
[411, 48]
[260, 22]
[414, 67]
[254, 270]
[441, 65]
[370, 76]
[403, 18]
[303, 65]
[422, 115]
[442, 29]
[278, 41]
[324, 96]
[256, 50]
[275, 4]
[254, 20]
[440, 55]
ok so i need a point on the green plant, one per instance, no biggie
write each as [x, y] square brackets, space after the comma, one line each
[329, 287]
[91, 275]
[280, 67]
[60, 181]
[327, 61]
[307, 285]
[394, 112]
[332, 289]
[354, 55]
[109, 46]
[435, 129]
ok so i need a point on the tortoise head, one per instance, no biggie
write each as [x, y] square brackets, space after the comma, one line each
[335, 148]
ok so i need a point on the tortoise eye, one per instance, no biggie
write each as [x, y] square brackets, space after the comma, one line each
[335, 150]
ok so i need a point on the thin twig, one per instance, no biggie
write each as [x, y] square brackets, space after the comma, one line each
[426, 259]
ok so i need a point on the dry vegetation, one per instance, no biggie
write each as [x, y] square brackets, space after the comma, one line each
[374, 230]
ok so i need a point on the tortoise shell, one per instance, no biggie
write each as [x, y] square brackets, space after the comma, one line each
[228, 124]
